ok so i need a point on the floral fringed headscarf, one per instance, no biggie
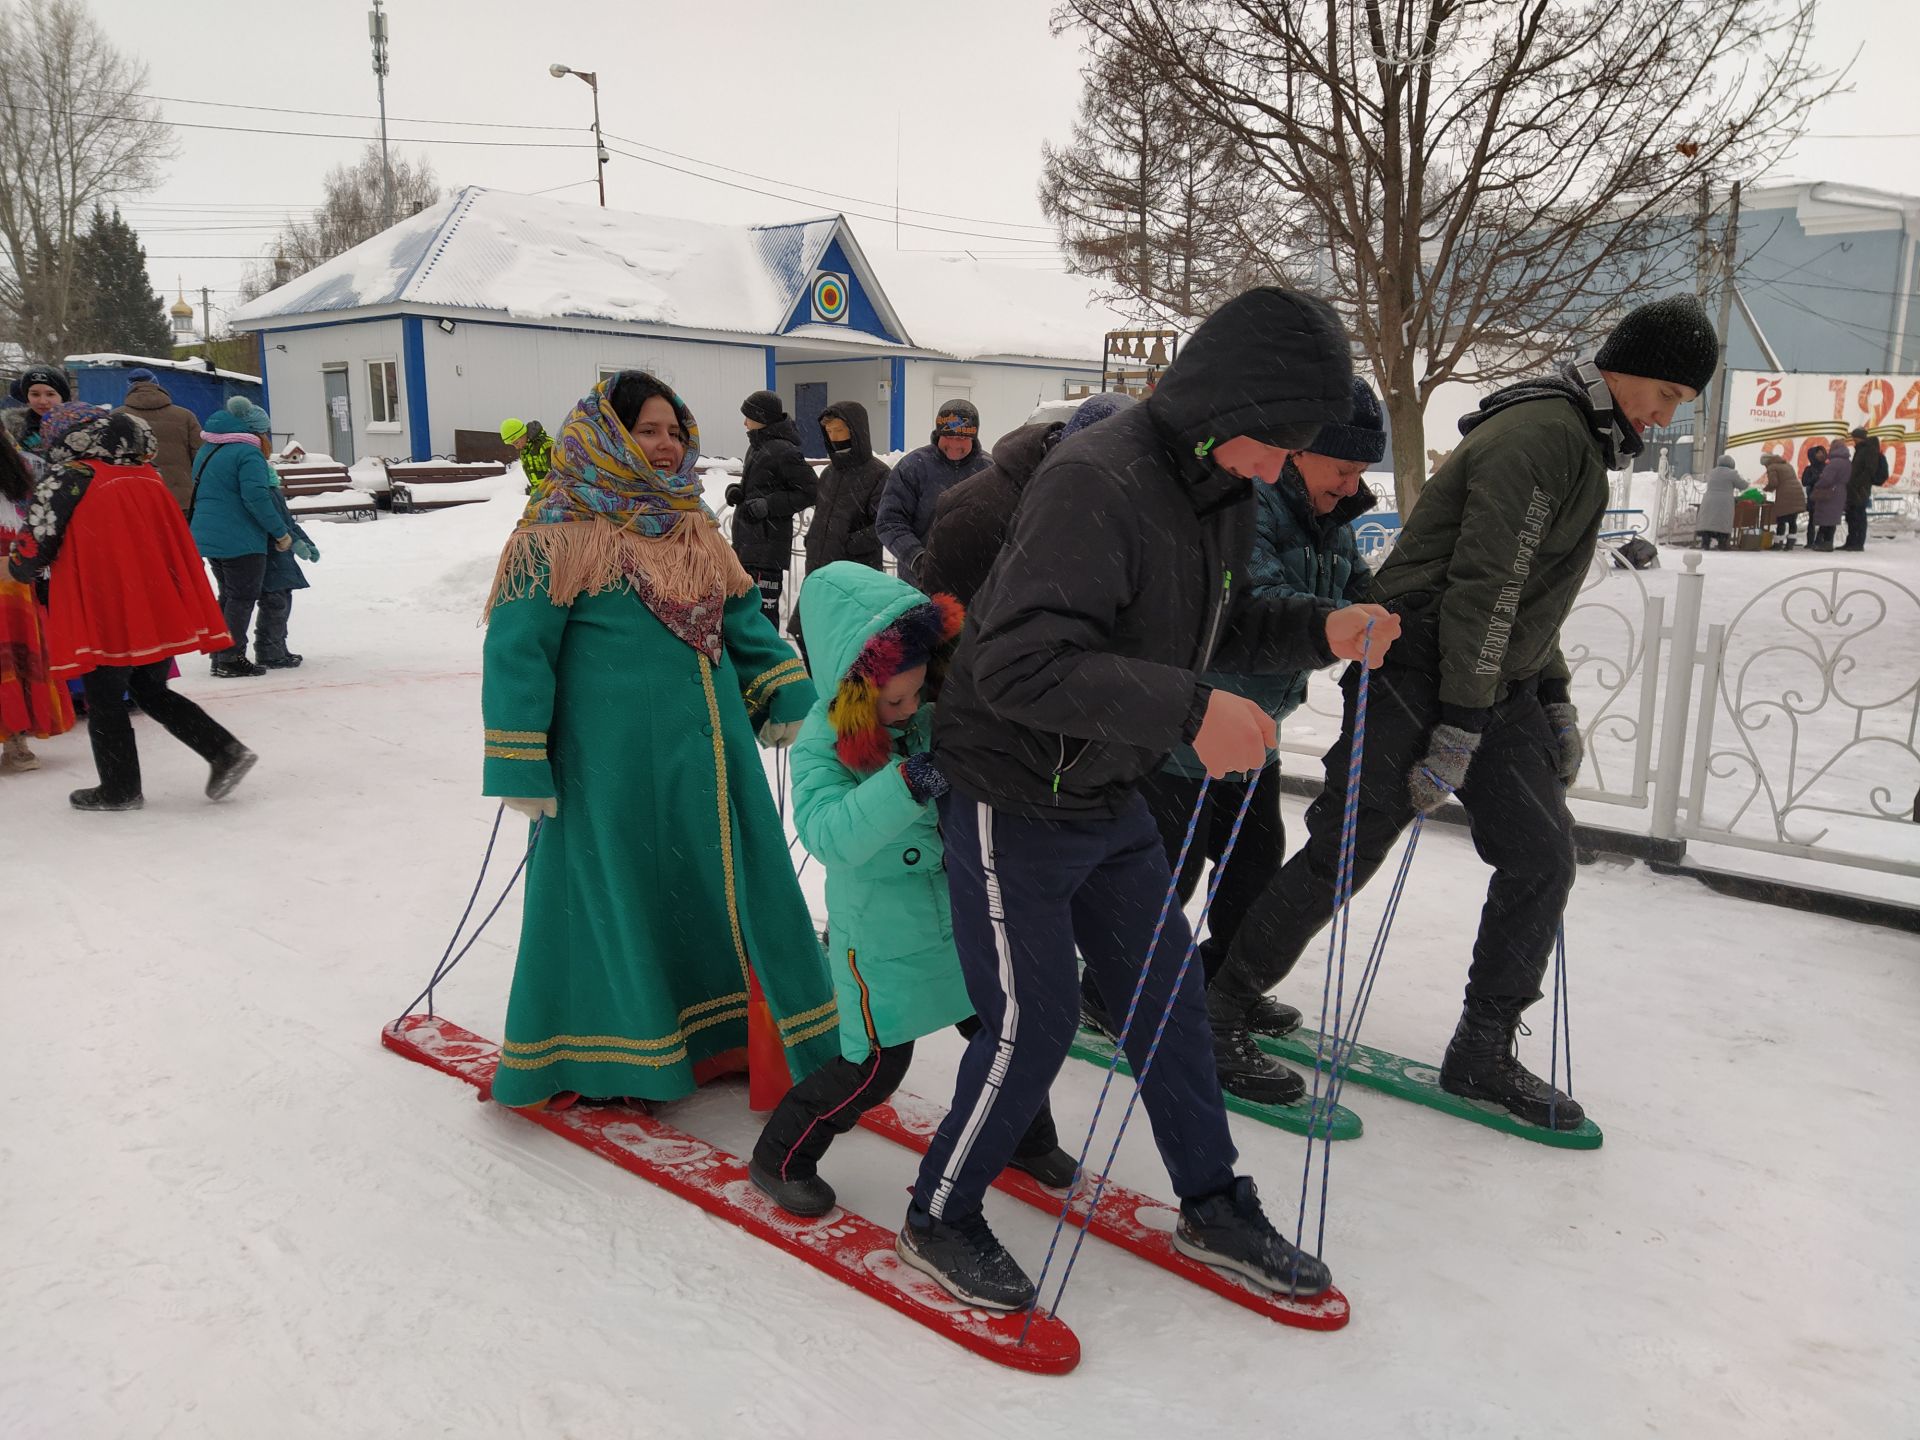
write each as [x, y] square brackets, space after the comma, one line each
[79, 431]
[606, 518]
[925, 635]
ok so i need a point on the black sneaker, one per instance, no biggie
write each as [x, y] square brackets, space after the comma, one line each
[1053, 1168]
[229, 770]
[1268, 1016]
[98, 799]
[288, 661]
[1245, 1069]
[1229, 1230]
[966, 1259]
[241, 669]
[1483, 1063]
[807, 1196]
[1093, 1013]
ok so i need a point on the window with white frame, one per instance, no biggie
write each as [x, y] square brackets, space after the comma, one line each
[383, 392]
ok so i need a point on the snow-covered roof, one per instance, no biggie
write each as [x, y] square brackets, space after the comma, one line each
[542, 259]
[193, 362]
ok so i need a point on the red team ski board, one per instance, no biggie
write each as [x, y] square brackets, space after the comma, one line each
[1125, 1218]
[848, 1247]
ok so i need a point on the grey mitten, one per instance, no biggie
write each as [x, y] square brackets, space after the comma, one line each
[1444, 769]
[1572, 747]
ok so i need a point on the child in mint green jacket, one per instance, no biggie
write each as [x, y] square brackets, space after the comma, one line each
[863, 792]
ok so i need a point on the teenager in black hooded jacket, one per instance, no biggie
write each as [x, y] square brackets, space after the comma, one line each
[1078, 671]
[843, 516]
[775, 485]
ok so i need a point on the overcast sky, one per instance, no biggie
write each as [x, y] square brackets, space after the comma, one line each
[816, 95]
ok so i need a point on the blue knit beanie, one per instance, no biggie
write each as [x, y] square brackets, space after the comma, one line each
[249, 414]
[1096, 408]
[134, 377]
[1364, 437]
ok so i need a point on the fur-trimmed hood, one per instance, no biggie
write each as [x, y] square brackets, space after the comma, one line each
[864, 627]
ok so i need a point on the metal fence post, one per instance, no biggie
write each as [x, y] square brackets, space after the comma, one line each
[1668, 778]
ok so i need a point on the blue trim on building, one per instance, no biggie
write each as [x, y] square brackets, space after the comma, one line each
[897, 406]
[879, 359]
[862, 315]
[773, 365]
[413, 369]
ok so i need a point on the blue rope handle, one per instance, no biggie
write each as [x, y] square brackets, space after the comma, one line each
[445, 967]
[1113, 1065]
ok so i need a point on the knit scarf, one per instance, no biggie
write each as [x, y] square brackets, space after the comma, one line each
[607, 518]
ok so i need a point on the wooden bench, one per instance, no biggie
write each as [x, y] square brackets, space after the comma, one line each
[324, 490]
[407, 479]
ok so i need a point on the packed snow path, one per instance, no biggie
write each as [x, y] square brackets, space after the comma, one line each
[228, 1212]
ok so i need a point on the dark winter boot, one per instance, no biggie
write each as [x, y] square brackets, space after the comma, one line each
[98, 799]
[1093, 1010]
[1270, 1017]
[966, 1260]
[229, 770]
[1228, 1229]
[240, 669]
[807, 1196]
[1245, 1069]
[1483, 1063]
[1053, 1168]
[288, 661]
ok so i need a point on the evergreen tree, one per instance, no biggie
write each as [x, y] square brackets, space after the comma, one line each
[119, 312]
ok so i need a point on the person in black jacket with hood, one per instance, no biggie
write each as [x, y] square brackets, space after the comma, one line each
[776, 484]
[1077, 673]
[843, 516]
[971, 520]
[1869, 470]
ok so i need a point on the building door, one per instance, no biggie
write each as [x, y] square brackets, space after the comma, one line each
[339, 415]
[809, 399]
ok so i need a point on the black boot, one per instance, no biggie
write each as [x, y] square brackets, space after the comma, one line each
[241, 669]
[229, 770]
[288, 661]
[1228, 1229]
[1483, 1063]
[1245, 1069]
[1053, 1168]
[98, 799]
[1093, 1010]
[807, 1196]
[967, 1260]
[1271, 1017]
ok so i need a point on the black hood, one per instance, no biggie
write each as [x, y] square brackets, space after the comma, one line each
[1581, 386]
[1272, 364]
[853, 415]
[783, 429]
[1019, 452]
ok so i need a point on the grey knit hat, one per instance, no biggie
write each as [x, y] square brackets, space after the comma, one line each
[1670, 339]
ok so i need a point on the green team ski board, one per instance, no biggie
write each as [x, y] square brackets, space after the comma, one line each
[1410, 1080]
[1092, 1046]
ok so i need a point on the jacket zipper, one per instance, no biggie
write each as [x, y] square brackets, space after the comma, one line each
[1061, 764]
[1219, 613]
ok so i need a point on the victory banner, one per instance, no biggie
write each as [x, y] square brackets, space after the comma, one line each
[1774, 414]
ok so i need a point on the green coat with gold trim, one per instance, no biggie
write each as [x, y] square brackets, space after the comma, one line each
[665, 874]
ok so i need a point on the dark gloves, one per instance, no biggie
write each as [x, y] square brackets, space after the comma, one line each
[924, 780]
[734, 492]
[1444, 770]
[757, 508]
[1565, 721]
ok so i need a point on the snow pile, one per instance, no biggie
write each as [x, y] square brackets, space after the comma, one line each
[967, 309]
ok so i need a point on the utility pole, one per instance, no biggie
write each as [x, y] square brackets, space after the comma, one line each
[206, 322]
[1728, 249]
[600, 157]
[377, 30]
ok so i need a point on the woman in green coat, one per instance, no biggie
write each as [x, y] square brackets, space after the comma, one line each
[628, 670]
[863, 792]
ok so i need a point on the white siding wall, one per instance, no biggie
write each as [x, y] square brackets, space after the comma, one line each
[296, 394]
[481, 374]
[1003, 394]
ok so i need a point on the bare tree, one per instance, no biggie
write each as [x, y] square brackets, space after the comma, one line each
[1478, 182]
[75, 133]
[351, 212]
[1152, 201]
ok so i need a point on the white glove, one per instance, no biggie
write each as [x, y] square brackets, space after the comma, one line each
[779, 736]
[534, 807]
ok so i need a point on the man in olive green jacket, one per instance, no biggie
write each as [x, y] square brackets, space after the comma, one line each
[1473, 699]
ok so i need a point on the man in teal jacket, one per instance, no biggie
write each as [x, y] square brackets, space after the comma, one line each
[1303, 545]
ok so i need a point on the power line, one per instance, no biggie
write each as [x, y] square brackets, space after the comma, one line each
[792, 200]
[352, 115]
[321, 134]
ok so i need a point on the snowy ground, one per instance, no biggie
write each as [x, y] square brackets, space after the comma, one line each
[228, 1212]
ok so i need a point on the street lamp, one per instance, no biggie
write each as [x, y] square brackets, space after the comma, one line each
[560, 72]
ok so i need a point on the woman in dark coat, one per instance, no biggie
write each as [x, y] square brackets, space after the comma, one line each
[1828, 501]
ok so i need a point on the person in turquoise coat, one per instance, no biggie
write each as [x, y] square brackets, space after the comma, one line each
[863, 791]
[236, 521]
